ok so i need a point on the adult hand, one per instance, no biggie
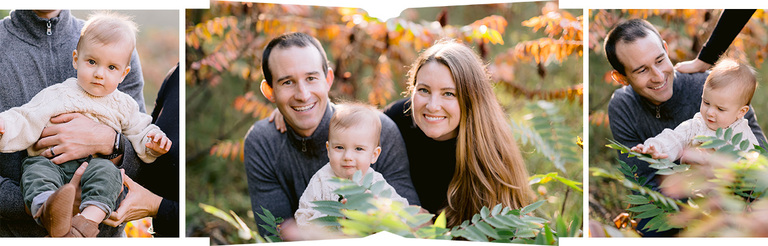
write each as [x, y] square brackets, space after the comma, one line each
[76, 182]
[75, 136]
[692, 66]
[277, 117]
[138, 203]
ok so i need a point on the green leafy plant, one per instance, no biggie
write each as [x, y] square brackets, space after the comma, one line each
[365, 211]
[726, 192]
[505, 225]
[243, 231]
[545, 129]
[664, 166]
[549, 133]
[726, 142]
[647, 202]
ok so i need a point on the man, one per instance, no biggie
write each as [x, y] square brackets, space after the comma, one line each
[655, 96]
[38, 46]
[279, 165]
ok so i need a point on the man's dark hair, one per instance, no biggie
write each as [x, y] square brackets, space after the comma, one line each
[627, 31]
[295, 39]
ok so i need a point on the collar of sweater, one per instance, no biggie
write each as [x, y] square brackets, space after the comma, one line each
[666, 109]
[29, 27]
[315, 143]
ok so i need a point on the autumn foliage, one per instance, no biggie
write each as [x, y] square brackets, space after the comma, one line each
[369, 56]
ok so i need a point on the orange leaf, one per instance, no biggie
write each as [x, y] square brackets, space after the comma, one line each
[239, 103]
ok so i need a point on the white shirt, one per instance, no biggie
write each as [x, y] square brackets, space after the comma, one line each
[321, 189]
[672, 142]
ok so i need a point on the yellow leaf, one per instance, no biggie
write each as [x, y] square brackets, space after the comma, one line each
[495, 37]
[440, 221]
[246, 72]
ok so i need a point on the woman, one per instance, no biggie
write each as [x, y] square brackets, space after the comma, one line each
[460, 148]
[461, 151]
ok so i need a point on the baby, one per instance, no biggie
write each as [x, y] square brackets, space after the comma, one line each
[726, 97]
[353, 144]
[102, 60]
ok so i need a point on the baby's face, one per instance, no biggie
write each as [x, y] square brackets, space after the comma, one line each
[352, 149]
[100, 68]
[721, 107]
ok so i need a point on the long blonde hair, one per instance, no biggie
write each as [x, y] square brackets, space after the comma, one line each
[489, 167]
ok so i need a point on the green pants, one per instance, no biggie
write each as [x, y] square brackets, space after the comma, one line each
[100, 185]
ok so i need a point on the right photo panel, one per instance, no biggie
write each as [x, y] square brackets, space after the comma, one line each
[676, 147]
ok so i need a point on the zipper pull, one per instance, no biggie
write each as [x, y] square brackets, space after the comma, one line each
[303, 145]
[49, 32]
[658, 113]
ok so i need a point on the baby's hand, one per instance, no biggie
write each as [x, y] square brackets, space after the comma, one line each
[159, 142]
[651, 150]
[2, 127]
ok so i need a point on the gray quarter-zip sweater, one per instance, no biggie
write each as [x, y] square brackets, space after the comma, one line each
[279, 165]
[36, 53]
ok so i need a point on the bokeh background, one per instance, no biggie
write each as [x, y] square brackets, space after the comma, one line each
[534, 51]
[685, 31]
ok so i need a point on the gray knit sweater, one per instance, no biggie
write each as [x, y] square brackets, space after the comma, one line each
[633, 119]
[31, 60]
[279, 165]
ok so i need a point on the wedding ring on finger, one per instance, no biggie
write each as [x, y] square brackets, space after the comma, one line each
[53, 154]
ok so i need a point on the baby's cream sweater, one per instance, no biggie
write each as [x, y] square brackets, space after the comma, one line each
[672, 142]
[24, 124]
[320, 188]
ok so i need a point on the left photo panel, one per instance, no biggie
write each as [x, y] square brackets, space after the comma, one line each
[89, 123]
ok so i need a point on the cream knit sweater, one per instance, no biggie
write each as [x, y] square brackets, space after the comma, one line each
[24, 124]
[320, 188]
[672, 142]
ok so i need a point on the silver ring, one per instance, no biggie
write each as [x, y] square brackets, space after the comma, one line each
[53, 154]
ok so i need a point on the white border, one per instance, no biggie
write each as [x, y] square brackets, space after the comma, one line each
[182, 124]
[585, 125]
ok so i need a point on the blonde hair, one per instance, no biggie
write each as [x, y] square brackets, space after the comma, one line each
[108, 28]
[350, 115]
[489, 166]
[729, 72]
